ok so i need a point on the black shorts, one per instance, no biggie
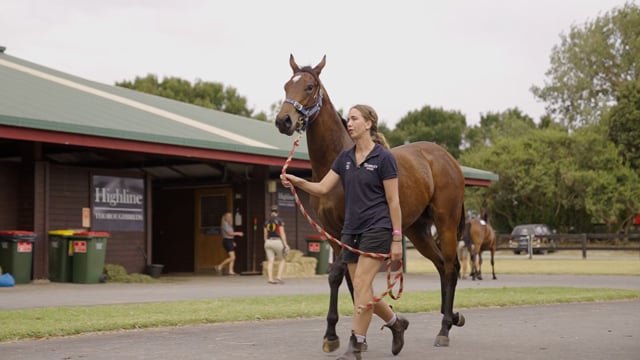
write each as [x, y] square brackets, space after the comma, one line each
[228, 244]
[377, 240]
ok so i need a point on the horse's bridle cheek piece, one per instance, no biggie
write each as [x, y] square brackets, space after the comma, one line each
[308, 113]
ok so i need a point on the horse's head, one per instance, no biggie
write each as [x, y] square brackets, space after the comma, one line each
[303, 98]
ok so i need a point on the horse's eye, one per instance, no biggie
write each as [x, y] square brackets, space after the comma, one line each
[309, 87]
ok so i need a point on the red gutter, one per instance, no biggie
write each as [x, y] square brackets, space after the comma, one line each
[476, 182]
[161, 149]
[144, 147]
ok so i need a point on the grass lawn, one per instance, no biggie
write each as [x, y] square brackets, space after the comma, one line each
[560, 262]
[63, 321]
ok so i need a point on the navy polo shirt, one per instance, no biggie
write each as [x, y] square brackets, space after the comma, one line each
[365, 201]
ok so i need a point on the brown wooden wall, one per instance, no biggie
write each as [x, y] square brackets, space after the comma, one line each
[68, 194]
[9, 180]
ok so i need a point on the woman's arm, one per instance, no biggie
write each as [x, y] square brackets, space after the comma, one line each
[313, 188]
[393, 200]
[228, 229]
[283, 236]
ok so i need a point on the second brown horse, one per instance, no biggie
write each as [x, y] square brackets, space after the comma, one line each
[482, 238]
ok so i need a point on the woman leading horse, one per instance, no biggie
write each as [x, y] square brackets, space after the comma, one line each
[430, 190]
[369, 175]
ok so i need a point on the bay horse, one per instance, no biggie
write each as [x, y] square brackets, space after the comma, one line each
[430, 182]
[483, 238]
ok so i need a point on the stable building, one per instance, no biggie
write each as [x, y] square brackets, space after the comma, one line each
[157, 174]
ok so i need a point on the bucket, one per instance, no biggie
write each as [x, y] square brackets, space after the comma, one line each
[154, 270]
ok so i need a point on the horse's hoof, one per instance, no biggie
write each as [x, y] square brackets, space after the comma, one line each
[461, 321]
[330, 345]
[479, 277]
[441, 341]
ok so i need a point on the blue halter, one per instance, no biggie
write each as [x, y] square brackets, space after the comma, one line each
[309, 113]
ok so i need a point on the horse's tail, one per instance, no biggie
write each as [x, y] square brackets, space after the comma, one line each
[461, 225]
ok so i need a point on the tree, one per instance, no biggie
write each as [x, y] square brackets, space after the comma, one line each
[611, 188]
[624, 123]
[569, 181]
[430, 124]
[511, 122]
[589, 65]
[206, 94]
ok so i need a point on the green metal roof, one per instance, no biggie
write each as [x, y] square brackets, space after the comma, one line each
[474, 173]
[36, 97]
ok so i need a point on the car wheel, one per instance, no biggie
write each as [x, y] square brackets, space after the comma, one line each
[517, 252]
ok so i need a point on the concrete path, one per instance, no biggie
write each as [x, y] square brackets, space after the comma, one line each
[188, 287]
[587, 331]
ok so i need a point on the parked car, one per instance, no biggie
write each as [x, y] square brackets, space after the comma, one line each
[541, 244]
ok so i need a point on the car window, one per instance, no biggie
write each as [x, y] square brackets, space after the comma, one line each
[541, 230]
[520, 231]
[531, 229]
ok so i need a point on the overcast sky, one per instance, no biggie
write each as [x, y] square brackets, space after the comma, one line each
[472, 56]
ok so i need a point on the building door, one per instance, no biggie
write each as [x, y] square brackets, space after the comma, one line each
[210, 204]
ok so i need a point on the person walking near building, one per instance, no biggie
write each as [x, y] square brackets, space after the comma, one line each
[373, 220]
[275, 245]
[229, 243]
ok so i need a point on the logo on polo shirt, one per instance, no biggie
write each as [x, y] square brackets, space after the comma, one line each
[370, 167]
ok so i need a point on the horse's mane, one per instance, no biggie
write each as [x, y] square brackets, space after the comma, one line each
[344, 121]
[309, 69]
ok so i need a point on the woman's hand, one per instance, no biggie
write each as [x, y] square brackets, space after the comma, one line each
[288, 180]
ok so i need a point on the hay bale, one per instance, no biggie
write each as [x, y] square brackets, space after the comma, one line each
[294, 255]
[302, 266]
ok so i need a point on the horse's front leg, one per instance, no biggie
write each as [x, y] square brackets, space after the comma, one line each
[337, 272]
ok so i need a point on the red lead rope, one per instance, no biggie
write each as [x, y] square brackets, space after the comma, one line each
[397, 274]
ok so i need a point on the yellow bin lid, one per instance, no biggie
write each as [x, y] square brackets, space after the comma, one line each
[62, 232]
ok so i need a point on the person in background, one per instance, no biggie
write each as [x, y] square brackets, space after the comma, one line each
[275, 245]
[463, 251]
[368, 173]
[229, 243]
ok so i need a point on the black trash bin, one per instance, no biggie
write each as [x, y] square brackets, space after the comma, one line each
[16, 254]
[60, 255]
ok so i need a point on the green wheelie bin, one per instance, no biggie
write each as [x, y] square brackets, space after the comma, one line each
[89, 251]
[16, 254]
[60, 255]
[318, 247]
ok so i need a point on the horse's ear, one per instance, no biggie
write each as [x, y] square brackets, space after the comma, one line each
[318, 68]
[292, 63]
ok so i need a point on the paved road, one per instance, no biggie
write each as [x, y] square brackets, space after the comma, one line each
[608, 330]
